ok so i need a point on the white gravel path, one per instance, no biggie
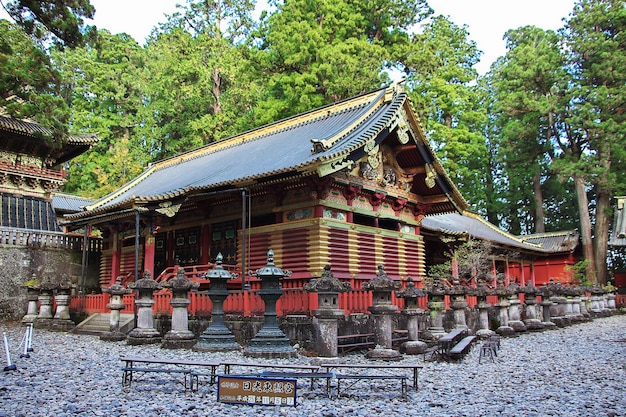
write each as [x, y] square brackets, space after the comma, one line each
[574, 371]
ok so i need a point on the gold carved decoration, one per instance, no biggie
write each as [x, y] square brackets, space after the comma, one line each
[168, 208]
[431, 175]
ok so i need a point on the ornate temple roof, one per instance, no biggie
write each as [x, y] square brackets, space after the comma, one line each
[473, 225]
[29, 138]
[320, 142]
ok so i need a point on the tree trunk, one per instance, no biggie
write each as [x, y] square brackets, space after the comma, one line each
[601, 235]
[540, 219]
[585, 227]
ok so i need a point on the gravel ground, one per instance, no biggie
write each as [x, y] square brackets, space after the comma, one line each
[574, 371]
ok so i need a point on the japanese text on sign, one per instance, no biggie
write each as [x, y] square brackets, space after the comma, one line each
[253, 390]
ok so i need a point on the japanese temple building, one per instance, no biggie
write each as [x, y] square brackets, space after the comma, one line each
[350, 184]
[31, 169]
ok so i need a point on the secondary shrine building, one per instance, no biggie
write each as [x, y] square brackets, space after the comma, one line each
[347, 184]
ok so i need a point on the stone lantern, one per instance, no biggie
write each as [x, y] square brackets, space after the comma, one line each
[458, 303]
[328, 313]
[116, 305]
[217, 337]
[144, 333]
[382, 288]
[32, 295]
[481, 292]
[515, 305]
[546, 303]
[597, 300]
[411, 295]
[436, 305]
[179, 336]
[270, 341]
[532, 321]
[61, 320]
[503, 292]
[559, 305]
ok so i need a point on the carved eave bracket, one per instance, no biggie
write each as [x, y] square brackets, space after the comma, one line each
[351, 192]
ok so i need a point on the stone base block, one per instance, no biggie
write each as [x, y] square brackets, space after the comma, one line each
[484, 333]
[517, 325]
[139, 336]
[506, 331]
[142, 340]
[561, 321]
[384, 355]
[533, 325]
[226, 345]
[113, 337]
[548, 325]
[414, 347]
[29, 318]
[40, 323]
[62, 325]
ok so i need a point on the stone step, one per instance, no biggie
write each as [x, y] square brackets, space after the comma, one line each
[99, 323]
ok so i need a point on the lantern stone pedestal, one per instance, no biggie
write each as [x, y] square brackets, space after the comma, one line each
[217, 337]
[436, 307]
[116, 305]
[328, 313]
[32, 310]
[584, 303]
[270, 341]
[546, 304]
[481, 292]
[515, 317]
[144, 333]
[179, 336]
[531, 321]
[46, 302]
[382, 310]
[503, 312]
[61, 321]
[412, 311]
[458, 304]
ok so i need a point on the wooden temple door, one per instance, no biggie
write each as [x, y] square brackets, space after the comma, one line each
[187, 246]
[224, 241]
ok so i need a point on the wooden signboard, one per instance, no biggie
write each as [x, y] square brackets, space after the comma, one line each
[256, 390]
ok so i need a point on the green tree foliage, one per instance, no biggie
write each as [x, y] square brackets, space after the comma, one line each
[530, 81]
[439, 65]
[317, 52]
[29, 84]
[63, 19]
[595, 37]
[200, 87]
[103, 84]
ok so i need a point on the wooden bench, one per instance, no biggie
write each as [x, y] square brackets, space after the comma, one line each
[189, 369]
[402, 378]
[446, 342]
[188, 379]
[382, 371]
[462, 348]
[349, 342]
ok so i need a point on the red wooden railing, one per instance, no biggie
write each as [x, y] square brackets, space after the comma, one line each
[249, 303]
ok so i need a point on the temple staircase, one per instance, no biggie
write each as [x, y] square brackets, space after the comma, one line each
[99, 323]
